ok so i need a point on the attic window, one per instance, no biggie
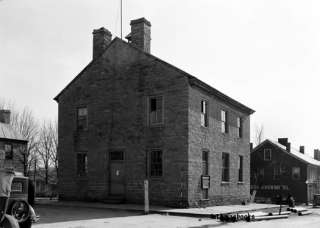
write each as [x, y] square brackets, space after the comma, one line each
[267, 154]
[82, 118]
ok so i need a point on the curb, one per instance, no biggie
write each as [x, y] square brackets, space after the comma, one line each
[152, 211]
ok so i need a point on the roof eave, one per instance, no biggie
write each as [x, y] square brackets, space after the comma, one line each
[195, 81]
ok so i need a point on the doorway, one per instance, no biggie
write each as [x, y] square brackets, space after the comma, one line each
[117, 173]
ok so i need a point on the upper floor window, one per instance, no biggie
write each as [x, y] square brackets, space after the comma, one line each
[156, 110]
[276, 173]
[240, 168]
[225, 167]
[224, 121]
[204, 113]
[8, 151]
[82, 118]
[267, 154]
[295, 173]
[156, 163]
[82, 164]
[239, 127]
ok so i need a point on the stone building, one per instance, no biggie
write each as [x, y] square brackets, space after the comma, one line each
[279, 170]
[130, 116]
[12, 144]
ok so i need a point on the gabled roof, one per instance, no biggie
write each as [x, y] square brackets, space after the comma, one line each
[7, 132]
[293, 152]
[191, 79]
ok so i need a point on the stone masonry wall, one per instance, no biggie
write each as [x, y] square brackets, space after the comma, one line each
[115, 89]
[211, 139]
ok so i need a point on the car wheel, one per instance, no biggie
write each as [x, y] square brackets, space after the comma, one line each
[9, 222]
[20, 211]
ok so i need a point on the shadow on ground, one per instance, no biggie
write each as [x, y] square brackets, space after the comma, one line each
[53, 214]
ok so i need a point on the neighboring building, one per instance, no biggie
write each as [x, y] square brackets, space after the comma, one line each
[277, 169]
[129, 116]
[42, 188]
[12, 144]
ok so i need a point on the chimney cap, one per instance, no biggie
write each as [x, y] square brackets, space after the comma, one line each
[140, 20]
[102, 30]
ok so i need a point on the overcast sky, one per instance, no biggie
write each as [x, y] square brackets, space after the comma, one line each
[266, 54]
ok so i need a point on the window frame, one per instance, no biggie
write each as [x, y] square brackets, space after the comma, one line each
[239, 127]
[264, 154]
[81, 118]
[84, 171]
[149, 110]
[151, 164]
[204, 120]
[6, 157]
[292, 173]
[225, 175]
[240, 169]
[224, 121]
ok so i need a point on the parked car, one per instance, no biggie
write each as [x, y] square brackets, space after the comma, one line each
[17, 205]
[6, 221]
[19, 202]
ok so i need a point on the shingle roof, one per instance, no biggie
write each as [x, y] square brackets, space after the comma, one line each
[7, 132]
[294, 153]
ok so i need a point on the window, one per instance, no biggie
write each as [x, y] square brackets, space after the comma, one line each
[240, 169]
[224, 122]
[225, 167]
[116, 156]
[204, 113]
[205, 163]
[82, 164]
[8, 151]
[295, 173]
[239, 127]
[82, 118]
[276, 173]
[156, 110]
[261, 173]
[267, 154]
[156, 163]
[205, 171]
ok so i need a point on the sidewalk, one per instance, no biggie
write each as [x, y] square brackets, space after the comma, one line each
[192, 212]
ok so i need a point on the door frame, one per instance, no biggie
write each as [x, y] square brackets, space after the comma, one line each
[123, 161]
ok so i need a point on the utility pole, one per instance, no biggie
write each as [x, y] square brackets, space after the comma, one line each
[121, 17]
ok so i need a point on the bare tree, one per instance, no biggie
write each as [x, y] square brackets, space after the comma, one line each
[259, 134]
[54, 151]
[25, 123]
[45, 147]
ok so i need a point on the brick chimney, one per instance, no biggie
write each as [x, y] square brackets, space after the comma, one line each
[284, 142]
[101, 39]
[317, 154]
[5, 116]
[301, 149]
[140, 35]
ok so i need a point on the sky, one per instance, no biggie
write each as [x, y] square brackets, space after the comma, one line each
[263, 53]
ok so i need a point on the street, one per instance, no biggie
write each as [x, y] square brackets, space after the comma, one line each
[68, 217]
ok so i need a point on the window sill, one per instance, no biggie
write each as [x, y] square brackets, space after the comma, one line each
[159, 125]
[225, 183]
[205, 200]
[240, 183]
